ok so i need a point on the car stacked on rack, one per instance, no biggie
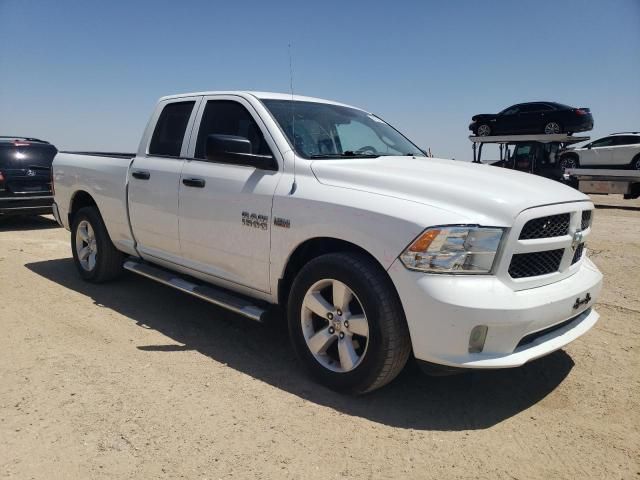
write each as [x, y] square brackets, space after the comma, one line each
[616, 150]
[531, 118]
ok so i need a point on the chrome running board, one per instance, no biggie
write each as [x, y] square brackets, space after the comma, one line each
[207, 293]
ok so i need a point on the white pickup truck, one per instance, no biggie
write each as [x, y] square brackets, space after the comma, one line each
[375, 252]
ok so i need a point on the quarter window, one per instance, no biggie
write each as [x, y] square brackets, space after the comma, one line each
[170, 129]
[226, 117]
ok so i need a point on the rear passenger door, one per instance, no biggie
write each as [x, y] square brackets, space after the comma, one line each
[624, 148]
[225, 209]
[154, 178]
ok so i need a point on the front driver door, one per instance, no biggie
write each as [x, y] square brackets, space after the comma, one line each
[225, 209]
[507, 121]
[599, 154]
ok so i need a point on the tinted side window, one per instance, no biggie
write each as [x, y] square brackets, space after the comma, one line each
[533, 107]
[603, 142]
[627, 140]
[226, 117]
[170, 129]
[511, 110]
[543, 107]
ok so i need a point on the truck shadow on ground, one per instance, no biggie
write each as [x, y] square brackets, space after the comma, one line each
[463, 402]
[35, 222]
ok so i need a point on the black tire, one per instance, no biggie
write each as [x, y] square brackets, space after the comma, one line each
[635, 163]
[483, 130]
[568, 161]
[108, 260]
[388, 344]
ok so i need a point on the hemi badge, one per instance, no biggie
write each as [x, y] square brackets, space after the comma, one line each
[282, 222]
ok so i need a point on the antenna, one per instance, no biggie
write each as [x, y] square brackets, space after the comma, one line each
[293, 122]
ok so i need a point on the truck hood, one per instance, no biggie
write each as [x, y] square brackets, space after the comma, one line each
[481, 193]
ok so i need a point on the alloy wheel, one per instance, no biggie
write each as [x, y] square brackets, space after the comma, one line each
[568, 162]
[484, 130]
[552, 128]
[86, 245]
[335, 326]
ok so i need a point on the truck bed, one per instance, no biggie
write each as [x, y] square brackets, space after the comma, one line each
[102, 175]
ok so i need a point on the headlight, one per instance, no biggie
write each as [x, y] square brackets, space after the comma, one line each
[453, 249]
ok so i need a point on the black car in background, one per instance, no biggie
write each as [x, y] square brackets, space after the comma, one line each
[25, 176]
[533, 117]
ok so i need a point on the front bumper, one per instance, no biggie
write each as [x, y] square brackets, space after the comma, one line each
[442, 310]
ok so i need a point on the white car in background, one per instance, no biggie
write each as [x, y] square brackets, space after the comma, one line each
[618, 150]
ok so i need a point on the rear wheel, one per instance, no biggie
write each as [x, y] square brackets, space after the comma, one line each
[483, 130]
[635, 163]
[346, 323]
[552, 128]
[94, 254]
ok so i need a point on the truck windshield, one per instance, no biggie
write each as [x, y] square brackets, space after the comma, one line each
[322, 130]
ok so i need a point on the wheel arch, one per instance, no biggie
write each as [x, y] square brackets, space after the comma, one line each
[80, 199]
[310, 249]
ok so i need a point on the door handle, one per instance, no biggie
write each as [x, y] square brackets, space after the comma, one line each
[141, 174]
[194, 182]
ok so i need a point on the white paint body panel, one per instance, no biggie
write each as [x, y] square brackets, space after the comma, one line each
[380, 205]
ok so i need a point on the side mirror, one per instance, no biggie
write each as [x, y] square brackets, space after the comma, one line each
[236, 150]
[589, 147]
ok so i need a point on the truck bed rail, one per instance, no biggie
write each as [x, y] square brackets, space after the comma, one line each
[103, 154]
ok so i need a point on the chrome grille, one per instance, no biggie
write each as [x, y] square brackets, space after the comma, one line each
[546, 244]
[535, 263]
[546, 227]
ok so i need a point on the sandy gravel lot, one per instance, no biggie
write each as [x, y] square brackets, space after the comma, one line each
[135, 380]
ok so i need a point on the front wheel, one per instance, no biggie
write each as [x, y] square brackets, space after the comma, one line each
[483, 130]
[94, 254]
[346, 323]
[568, 162]
[635, 163]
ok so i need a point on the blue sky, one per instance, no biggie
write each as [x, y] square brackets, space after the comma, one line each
[86, 74]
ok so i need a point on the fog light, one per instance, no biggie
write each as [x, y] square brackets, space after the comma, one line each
[477, 338]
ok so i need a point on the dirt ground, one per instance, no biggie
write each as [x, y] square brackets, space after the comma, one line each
[136, 380]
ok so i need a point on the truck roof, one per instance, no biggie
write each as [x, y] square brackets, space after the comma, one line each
[259, 95]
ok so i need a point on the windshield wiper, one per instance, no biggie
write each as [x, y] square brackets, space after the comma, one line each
[347, 154]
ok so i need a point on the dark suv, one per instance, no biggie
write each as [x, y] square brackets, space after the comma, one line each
[25, 176]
